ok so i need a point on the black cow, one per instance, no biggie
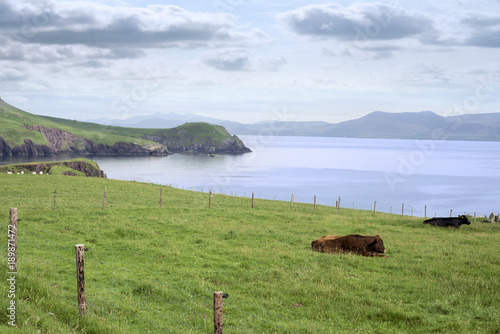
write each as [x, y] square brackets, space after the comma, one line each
[448, 222]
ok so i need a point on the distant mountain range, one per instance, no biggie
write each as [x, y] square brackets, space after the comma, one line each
[378, 124]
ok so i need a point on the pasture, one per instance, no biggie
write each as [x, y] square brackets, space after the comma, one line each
[435, 280]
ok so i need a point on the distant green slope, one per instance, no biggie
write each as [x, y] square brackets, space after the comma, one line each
[74, 167]
[22, 133]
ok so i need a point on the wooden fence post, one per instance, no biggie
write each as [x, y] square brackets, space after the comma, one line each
[338, 205]
[403, 210]
[210, 199]
[291, 202]
[55, 195]
[374, 207]
[451, 212]
[104, 200]
[425, 212]
[218, 321]
[12, 235]
[314, 203]
[161, 196]
[252, 199]
[80, 278]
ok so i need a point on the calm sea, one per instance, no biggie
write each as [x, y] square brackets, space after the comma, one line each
[444, 175]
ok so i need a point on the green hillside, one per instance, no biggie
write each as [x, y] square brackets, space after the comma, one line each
[14, 121]
[154, 270]
[75, 167]
[67, 136]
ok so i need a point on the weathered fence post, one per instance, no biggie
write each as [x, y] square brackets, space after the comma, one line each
[338, 205]
[55, 195]
[403, 210]
[374, 207]
[474, 217]
[210, 199]
[425, 211]
[451, 212]
[80, 278]
[218, 321]
[291, 202]
[161, 196]
[252, 199]
[12, 235]
[104, 200]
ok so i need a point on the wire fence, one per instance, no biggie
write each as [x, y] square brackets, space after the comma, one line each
[129, 299]
[421, 209]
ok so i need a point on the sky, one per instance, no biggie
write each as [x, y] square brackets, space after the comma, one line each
[250, 60]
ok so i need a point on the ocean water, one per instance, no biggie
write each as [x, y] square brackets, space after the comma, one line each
[443, 175]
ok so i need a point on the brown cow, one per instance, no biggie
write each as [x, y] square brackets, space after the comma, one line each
[317, 244]
[355, 243]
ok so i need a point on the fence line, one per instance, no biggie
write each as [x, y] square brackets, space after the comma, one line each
[355, 205]
[137, 301]
[375, 206]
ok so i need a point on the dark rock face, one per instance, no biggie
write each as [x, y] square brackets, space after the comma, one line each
[87, 169]
[126, 149]
[4, 148]
[62, 142]
[29, 148]
[177, 144]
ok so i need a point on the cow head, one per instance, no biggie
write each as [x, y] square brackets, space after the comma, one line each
[464, 219]
[378, 245]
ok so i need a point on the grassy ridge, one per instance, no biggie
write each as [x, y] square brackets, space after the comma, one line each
[12, 128]
[13, 122]
[435, 280]
[66, 167]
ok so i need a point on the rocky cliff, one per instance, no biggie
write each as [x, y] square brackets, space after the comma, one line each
[22, 133]
[199, 138]
[62, 142]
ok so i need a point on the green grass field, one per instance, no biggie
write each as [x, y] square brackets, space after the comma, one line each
[154, 270]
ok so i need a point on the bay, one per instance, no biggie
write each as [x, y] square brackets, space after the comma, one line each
[443, 175]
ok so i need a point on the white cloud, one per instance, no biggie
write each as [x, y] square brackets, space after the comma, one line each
[241, 60]
[102, 26]
[355, 22]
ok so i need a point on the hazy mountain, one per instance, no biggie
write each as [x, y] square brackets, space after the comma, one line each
[156, 121]
[378, 124]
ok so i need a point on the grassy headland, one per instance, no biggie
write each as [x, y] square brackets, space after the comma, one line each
[74, 167]
[49, 135]
[156, 268]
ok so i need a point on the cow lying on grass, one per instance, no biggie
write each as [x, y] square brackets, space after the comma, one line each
[448, 222]
[353, 243]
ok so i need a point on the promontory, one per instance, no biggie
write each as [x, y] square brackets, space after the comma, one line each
[22, 133]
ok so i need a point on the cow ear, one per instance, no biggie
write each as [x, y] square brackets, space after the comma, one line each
[378, 235]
